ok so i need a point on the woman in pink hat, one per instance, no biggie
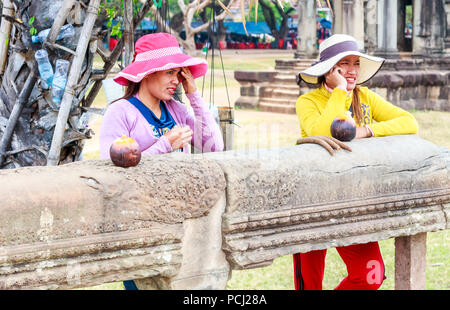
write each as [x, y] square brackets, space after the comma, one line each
[148, 113]
[338, 72]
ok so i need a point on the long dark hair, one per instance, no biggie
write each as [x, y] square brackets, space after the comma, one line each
[356, 106]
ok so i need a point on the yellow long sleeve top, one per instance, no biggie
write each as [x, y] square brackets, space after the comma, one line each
[317, 109]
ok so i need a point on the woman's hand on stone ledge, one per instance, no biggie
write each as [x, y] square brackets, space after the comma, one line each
[329, 143]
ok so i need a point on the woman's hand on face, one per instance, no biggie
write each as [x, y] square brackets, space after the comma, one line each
[179, 136]
[187, 79]
[334, 78]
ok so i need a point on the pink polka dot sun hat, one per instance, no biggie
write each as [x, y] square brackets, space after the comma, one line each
[157, 52]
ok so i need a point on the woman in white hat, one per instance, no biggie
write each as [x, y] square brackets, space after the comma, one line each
[339, 71]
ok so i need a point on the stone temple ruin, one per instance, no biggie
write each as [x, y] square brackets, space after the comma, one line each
[185, 221]
[416, 72]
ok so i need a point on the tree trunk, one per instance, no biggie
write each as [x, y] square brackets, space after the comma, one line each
[218, 33]
[269, 17]
[28, 114]
[188, 10]
[33, 129]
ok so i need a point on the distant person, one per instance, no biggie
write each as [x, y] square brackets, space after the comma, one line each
[339, 71]
[112, 43]
[323, 30]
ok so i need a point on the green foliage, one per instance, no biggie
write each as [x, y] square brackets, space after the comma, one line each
[116, 31]
[33, 31]
[157, 4]
[252, 12]
[409, 14]
[114, 10]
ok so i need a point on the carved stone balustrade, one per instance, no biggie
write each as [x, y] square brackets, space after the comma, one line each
[179, 221]
[89, 223]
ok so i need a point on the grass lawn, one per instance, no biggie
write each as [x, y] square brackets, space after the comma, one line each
[433, 126]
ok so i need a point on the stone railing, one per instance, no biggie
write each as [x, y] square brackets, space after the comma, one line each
[185, 221]
[421, 84]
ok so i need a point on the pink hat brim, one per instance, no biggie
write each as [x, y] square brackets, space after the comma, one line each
[137, 70]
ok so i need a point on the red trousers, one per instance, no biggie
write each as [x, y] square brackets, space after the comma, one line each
[364, 263]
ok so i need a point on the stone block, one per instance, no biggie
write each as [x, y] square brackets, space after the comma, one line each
[254, 75]
[252, 90]
[247, 102]
[183, 221]
[444, 92]
[435, 78]
[204, 265]
[284, 202]
[410, 262]
[99, 223]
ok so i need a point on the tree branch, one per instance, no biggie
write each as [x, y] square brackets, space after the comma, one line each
[17, 110]
[114, 55]
[205, 26]
[58, 22]
[5, 30]
[128, 36]
[72, 80]
[269, 17]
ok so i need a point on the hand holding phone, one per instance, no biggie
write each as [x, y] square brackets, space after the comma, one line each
[335, 78]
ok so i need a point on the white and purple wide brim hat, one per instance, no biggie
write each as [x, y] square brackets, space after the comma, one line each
[332, 50]
[158, 52]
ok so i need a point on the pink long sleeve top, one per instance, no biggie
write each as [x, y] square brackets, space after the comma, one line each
[123, 118]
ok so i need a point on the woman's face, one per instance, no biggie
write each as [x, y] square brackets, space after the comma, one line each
[349, 70]
[162, 84]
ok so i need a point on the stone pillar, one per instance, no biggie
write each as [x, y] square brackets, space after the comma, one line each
[337, 17]
[447, 37]
[226, 117]
[204, 265]
[306, 32]
[418, 42]
[429, 30]
[348, 19]
[386, 34]
[371, 25]
[410, 262]
[353, 15]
